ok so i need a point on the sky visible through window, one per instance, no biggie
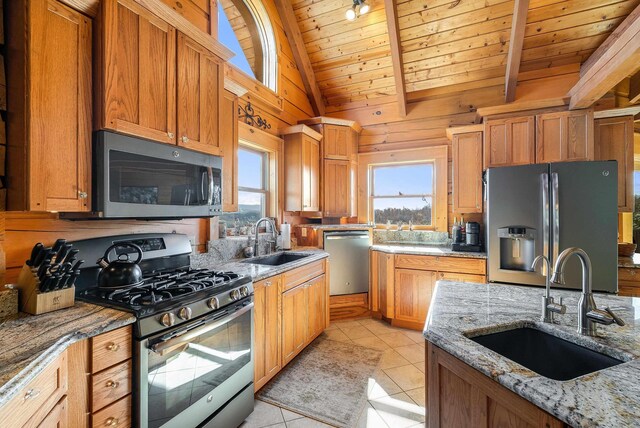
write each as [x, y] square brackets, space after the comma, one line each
[227, 37]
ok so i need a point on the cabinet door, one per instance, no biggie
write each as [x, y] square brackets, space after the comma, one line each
[138, 72]
[337, 142]
[579, 145]
[310, 174]
[412, 297]
[317, 306]
[467, 172]
[509, 142]
[385, 284]
[461, 277]
[267, 342]
[564, 136]
[353, 195]
[614, 141]
[522, 140]
[59, 109]
[337, 186]
[496, 144]
[57, 417]
[200, 86]
[294, 322]
[229, 147]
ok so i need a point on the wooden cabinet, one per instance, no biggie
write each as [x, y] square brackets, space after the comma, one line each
[461, 277]
[384, 275]
[413, 289]
[317, 306]
[467, 172]
[49, 112]
[460, 396]
[57, 417]
[229, 148]
[338, 142]
[295, 322]
[302, 168]
[564, 136]
[136, 72]
[353, 194]
[200, 77]
[629, 282]
[614, 141]
[509, 142]
[268, 333]
[337, 188]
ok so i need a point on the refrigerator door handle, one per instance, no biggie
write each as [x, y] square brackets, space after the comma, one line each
[544, 185]
[556, 216]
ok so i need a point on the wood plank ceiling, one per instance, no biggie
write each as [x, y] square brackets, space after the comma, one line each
[446, 45]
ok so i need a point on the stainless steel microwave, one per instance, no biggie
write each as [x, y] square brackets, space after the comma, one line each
[138, 178]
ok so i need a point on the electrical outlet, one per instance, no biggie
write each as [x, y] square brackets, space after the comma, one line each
[304, 232]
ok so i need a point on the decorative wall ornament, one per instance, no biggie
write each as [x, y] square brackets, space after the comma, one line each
[251, 118]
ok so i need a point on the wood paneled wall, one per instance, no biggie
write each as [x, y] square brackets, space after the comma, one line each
[22, 230]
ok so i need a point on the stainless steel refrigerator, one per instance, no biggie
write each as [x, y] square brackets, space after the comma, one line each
[545, 208]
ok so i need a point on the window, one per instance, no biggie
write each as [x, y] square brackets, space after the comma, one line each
[636, 210]
[401, 193]
[253, 187]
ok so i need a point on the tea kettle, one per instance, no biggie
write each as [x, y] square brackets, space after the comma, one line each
[121, 272]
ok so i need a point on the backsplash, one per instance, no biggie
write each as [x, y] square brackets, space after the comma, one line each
[418, 237]
[229, 248]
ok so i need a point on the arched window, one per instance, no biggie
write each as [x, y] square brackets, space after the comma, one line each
[245, 28]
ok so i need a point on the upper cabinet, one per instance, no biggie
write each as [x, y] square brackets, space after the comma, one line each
[229, 148]
[49, 112]
[509, 141]
[302, 168]
[466, 146]
[200, 86]
[136, 72]
[564, 136]
[337, 188]
[614, 141]
[338, 142]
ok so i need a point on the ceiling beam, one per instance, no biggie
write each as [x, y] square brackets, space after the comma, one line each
[634, 88]
[292, 30]
[396, 55]
[617, 58]
[518, 25]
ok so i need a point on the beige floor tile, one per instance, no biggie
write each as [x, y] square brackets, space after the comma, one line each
[264, 415]
[347, 324]
[399, 410]
[414, 335]
[396, 339]
[290, 416]
[380, 329]
[372, 342]
[417, 395]
[306, 423]
[420, 366]
[381, 385]
[413, 353]
[337, 335]
[332, 326]
[357, 332]
[406, 377]
[391, 358]
[369, 418]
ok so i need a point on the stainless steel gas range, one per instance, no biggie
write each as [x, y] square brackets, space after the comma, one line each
[193, 338]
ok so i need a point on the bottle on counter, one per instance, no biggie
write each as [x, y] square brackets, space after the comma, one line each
[463, 232]
[456, 232]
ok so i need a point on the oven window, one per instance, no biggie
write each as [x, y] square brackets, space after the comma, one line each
[191, 371]
[138, 179]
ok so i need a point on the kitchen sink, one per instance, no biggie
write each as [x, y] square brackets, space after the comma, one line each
[276, 259]
[546, 354]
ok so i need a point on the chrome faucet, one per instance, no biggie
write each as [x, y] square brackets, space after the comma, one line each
[274, 232]
[588, 313]
[549, 307]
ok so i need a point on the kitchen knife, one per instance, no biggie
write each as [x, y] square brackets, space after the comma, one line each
[40, 257]
[34, 253]
[64, 283]
[58, 244]
[63, 253]
[70, 255]
[45, 284]
[72, 279]
[76, 267]
[55, 282]
[42, 269]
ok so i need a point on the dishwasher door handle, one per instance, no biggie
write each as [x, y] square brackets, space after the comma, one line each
[336, 237]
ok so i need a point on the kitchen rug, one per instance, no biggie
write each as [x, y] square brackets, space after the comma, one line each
[327, 382]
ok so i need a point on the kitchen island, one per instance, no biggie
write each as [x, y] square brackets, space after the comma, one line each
[607, 398]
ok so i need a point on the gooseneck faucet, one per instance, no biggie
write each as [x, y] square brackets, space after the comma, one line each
[274, 232]
[549, 307]
[588, 313]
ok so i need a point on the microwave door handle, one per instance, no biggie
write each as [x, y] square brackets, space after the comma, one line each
[210, 175]
[168, 344]
[203, 185]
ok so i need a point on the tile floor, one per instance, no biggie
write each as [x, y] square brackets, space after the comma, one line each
[396, 395]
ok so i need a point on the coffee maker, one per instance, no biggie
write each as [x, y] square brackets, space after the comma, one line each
[472, 239]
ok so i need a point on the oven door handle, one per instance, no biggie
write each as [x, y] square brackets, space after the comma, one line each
[162, 346]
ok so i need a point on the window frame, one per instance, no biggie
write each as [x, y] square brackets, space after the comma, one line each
[265, 191]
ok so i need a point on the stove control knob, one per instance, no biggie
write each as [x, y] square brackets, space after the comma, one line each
[213, 303]
[235, 294]
[185, 313]
[168, 319]
[244, 291]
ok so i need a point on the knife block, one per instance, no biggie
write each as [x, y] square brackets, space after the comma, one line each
[34, 302]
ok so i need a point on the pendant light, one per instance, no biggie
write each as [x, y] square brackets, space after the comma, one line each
[359, 8]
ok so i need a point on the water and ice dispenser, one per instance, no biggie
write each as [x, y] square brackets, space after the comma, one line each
[517, 248]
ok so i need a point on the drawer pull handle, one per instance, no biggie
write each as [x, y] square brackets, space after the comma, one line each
[111, 422]
[268, 283]
[112, 384]
[632, 272]
[113, 346]
[32, 393]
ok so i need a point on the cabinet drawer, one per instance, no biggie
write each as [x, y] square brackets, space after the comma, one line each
[461, 277]
[629, 274]
[31, 405]
[628, 289]
[442, 264]
[111, 385]
[57, 417]
[302, 274]
[110, 348]
[118, 415]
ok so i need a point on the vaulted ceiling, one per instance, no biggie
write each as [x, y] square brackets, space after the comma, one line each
[445, 45]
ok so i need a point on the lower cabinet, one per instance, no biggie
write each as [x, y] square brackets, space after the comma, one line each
[629, 282]
[267, 330]
[413, 289]
[460, 396]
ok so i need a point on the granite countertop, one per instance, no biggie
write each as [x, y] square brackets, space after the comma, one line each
[608, 398]
[336, 226]
[431, 250]
[629, 262]
[257, 272]
[30, 342]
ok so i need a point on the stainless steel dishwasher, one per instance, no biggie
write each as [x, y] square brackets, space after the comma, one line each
[349, 261]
